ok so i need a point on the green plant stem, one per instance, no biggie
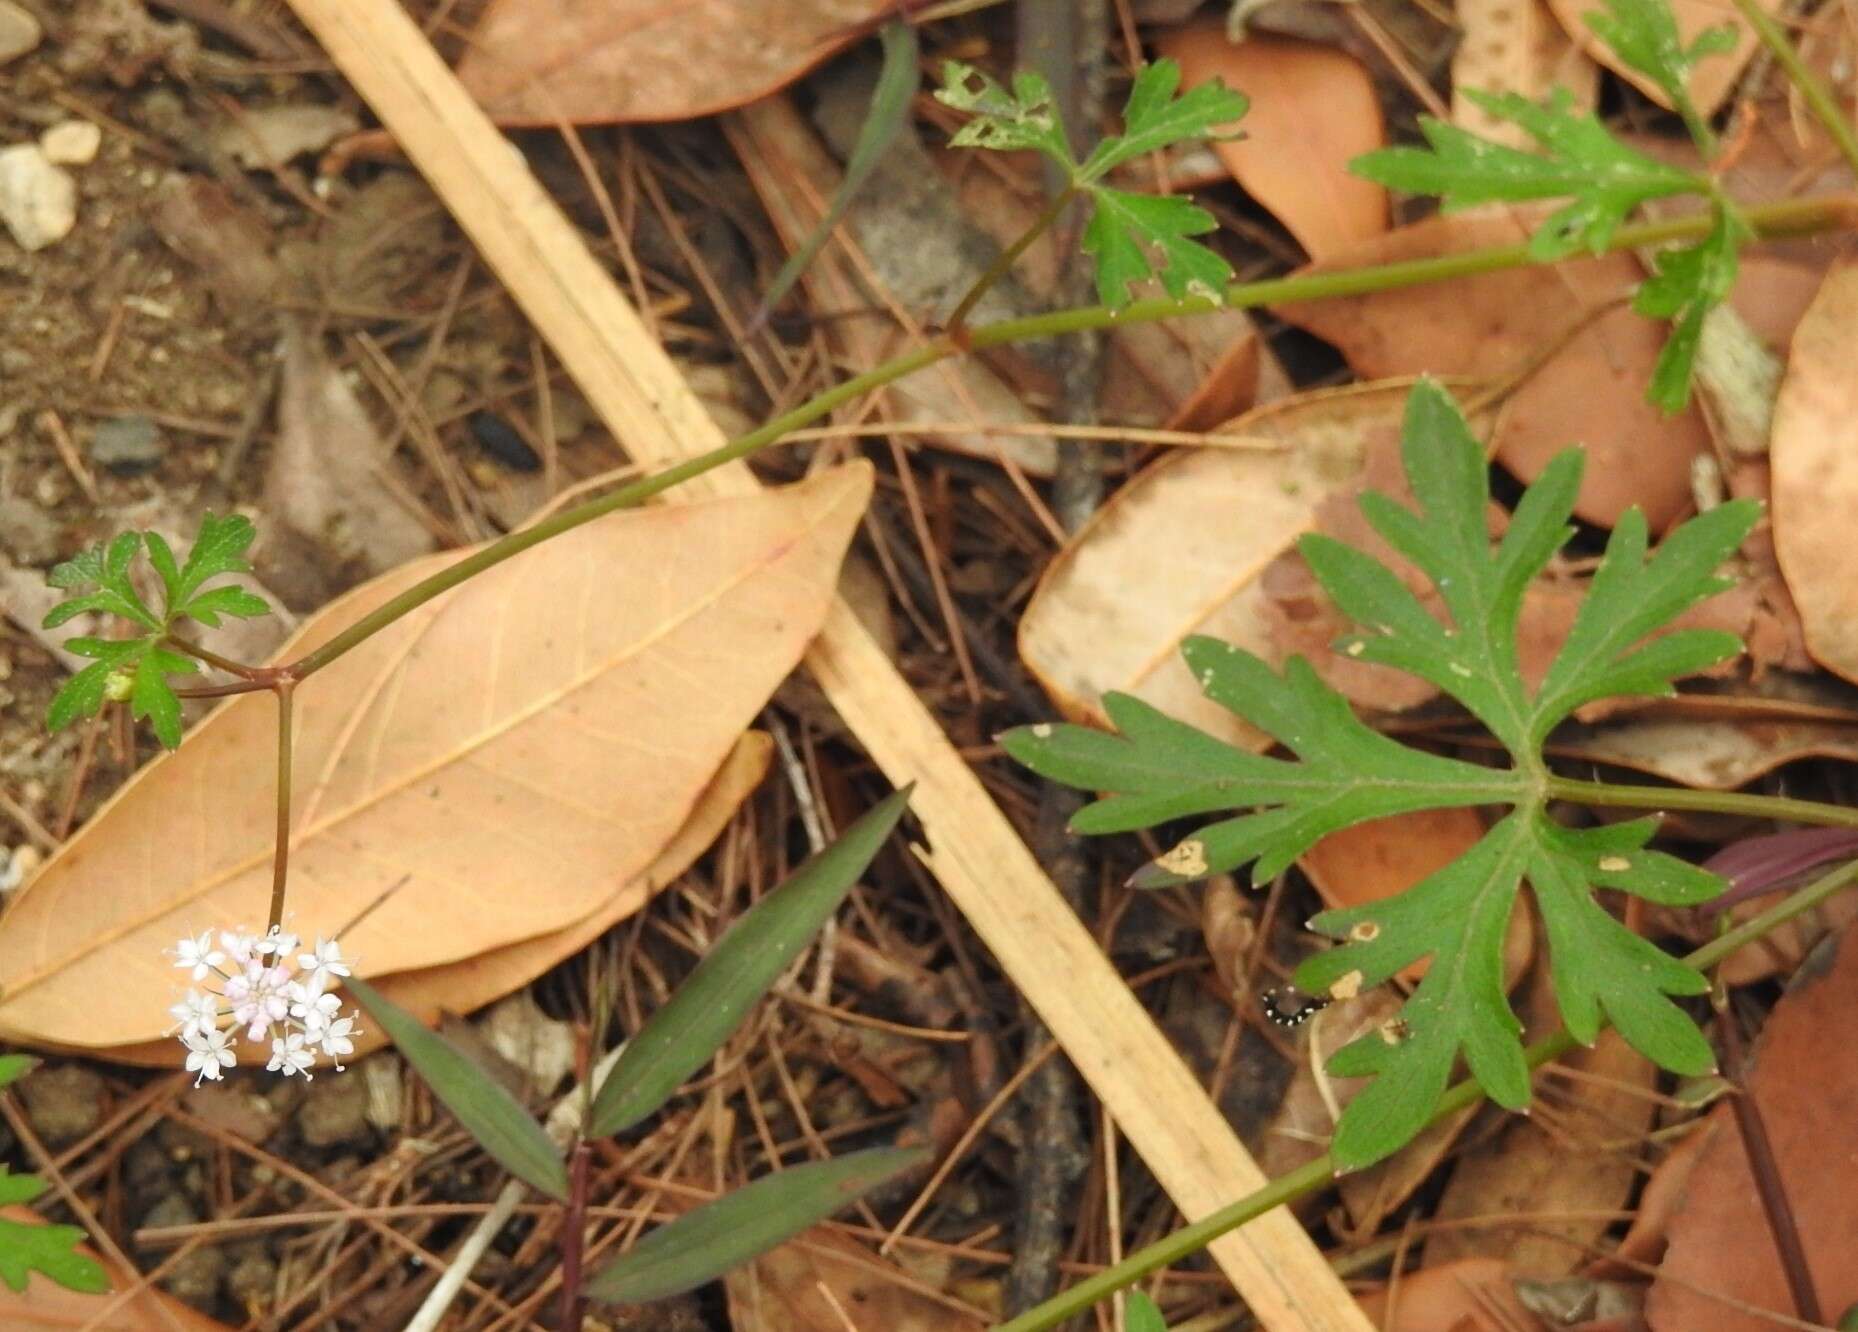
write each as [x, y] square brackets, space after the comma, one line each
[1810, 812]
[280, 856]
[1308, 1178]
[213, 659]
[1791, 217]
[1004, 261]
[1818, 97]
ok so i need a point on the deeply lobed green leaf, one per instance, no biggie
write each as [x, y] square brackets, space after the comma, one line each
[26, 1248]
[1643, 33]
[1133, 237]
[1342, 772]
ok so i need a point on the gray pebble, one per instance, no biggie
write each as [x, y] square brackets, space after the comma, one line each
[334, 1110]
[127, 445]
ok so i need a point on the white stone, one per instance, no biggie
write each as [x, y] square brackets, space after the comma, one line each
[71, 143]
[19, 31]
[38, 201]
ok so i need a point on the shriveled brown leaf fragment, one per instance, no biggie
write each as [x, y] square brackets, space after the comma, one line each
[1515, 46]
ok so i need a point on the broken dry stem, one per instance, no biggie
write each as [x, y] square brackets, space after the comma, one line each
[1308, 1178]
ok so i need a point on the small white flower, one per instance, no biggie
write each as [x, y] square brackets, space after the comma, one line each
[290, 1055]
[238, 946]
[207, 1054]
[276, 942]
[259, 996]
[325, 962]
[197, 1012]
[314, 1010]
[335, 1038]
[199, 954]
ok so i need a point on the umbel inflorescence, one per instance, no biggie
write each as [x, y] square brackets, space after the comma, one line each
[266, 990]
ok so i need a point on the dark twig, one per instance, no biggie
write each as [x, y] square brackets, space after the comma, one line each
[573, 1234]
[1766, 1169]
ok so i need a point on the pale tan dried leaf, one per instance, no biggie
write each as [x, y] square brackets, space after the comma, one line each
[1590, 389]
[1713, 754]
[1815, 473]
[824, 1277]
[1515, 46]
[1711, 81]
[539, 62]
[1180, 550]
[486, 769]
[329, 480]
[1313, 109]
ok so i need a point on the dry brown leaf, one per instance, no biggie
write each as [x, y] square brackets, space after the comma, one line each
[1524, 1170]
[1590, 391]
[329, 482]
[1515, 46]
[462, 987]
[1180, 550]
[45, 1304]
[1711, 81]
[1713, 755]
[539, 62]
[826, 1280]
[1470, 1296]
[1814, 454]
[1805, 1079]
[1313, 109]
[486, 769]
[1645, 1238]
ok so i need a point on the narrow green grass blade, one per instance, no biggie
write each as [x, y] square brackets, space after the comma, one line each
[890, 104]
[488, 1112]
[701, 1245]
[739, 968]
[1143, 1315]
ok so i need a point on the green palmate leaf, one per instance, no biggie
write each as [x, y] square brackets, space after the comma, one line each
[136, 670]
[1154, 118]
[701, 1245]
[488, 1113]
[1581, 160]
[737, 971]
[1643, 33]
[890, 108]
[1142, 1314]
[1133, 237]
[1688, 282]
[1343, 772]
[26, 1248]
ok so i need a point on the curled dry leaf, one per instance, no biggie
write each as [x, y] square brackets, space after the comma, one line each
[1589, 389]
[1814, 454]
[1313, 109]
[45, 1304]
[1515, 46]
[1663, 1195]
[1711, 755]
[540, 62]
[1711, 81]
[1473, 1295]
[1181, 549]
[1805, 1079]
[485, 770]
[813, 1280]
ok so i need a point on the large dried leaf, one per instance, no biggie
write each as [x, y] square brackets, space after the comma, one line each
[1814, 451]
[1804, 1079]
[538, 62]
[1313, 109]
[487, 769]
[45, 1304]
[1590, 389]
[1475, 1295]
[1711, 81]
[804, 1284]
[1181, 550]
[1515, 46]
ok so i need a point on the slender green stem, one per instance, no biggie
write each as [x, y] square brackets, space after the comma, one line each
[213, 659]
[1308, 1178]
[1788, 218]
[1004, 261]
[280, 856]
[1785, 808]
[1824, 105]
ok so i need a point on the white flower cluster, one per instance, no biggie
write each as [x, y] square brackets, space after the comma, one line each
[265, 994]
